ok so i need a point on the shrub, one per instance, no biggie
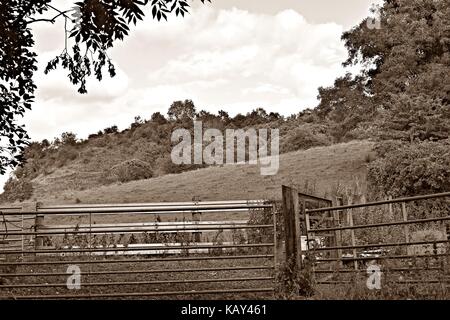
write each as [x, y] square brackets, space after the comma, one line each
[304, 137]
[412, 169]
[129, 170]
[69, 138]
[112, 129]
[292, 283]
[17, 190]
[165, 165]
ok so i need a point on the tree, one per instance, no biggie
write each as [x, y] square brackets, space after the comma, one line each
[45, 144]
[407, 76]
[111, 130]
[417, 118]
[404, 85]
[408, 57]
[206, 116]
[138, 121]
[274, 116]
[94, 25]
[345, 105]
[158, 118]
[182, 111]
[69, 138]
[257, 116]
[239, 120]
[224, 115]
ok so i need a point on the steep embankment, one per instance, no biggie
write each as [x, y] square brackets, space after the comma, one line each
[322, 168]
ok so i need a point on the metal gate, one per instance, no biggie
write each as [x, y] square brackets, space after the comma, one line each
[157, 250]
[404, 240]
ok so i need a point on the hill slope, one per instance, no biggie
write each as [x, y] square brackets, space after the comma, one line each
[322, 168]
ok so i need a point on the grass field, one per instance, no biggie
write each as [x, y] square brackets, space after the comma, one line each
[322, 168]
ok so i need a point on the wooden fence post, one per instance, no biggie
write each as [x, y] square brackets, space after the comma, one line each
[196, 218]
[291, 217]
[338, 234]
[38, 222]
[352, 231]
[405, 219]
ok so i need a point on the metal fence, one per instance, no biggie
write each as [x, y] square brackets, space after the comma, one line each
[407, 238]
[138, 250]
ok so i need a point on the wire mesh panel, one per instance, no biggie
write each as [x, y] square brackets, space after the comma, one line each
[162, 250]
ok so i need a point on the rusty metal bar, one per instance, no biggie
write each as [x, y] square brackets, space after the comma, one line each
[143, 211]
[153, 204]
[123, 283]
[239, 257]
[381, 245]
[436, 281]
[147, 294]
[147, 209]
[384, 224]
[145, 271]
[144, 248]
[18, 220]
[13, 240]
[146, 224]
[394, 270]
[372, 204]
[10, 208]
[393, 257]
[127, 230]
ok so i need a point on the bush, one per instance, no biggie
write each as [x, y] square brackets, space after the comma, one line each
[69, 138]
[165, 165]
[109, 130]
[304, 137]
[412, 169]
[17, 190]
[129, 170]
[292, 283]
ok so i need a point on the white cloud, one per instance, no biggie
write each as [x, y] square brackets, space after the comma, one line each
[222, 59]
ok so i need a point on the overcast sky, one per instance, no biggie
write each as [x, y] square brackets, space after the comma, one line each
[234, 55]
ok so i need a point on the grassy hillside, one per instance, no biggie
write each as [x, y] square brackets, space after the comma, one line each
[140, 152]
[322, 169]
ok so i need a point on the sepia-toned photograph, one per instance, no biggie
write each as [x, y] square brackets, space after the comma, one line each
[199, 152]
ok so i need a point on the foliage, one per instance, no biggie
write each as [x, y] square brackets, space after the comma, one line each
[111, 130]
[158, 118]
[407, 72]
[17, 190]
[182, 111]
[129, 171]
[94, 25]
[411, 169]
[292, 283]
[414, 118]
[69, 138]
[305, 137]
[344, 105]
